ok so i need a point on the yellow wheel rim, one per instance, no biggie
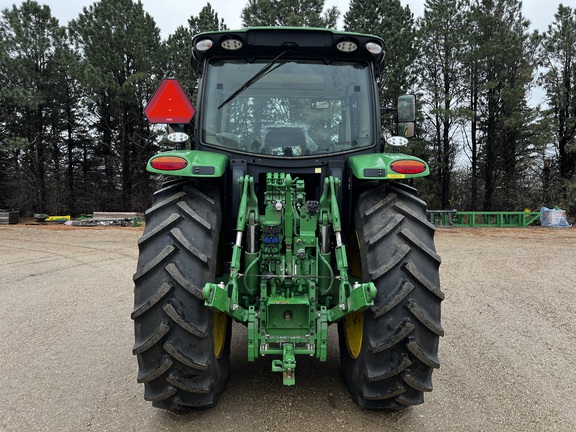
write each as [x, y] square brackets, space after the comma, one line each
[354, 323]
[353, 331]
[220, 329]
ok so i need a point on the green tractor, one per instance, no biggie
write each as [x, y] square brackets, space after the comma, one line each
[285, 214]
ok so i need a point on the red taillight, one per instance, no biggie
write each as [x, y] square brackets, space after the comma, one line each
[168, 163]
[408, 166]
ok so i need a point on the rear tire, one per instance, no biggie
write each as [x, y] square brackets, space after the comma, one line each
[388, 354]
[182, 347]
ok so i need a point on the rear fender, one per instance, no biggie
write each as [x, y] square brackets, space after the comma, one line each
[380, 166]
[197, 163]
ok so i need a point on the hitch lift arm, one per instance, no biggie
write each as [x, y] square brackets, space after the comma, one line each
[283, 296]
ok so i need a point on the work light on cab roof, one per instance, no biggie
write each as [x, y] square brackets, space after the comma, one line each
[346, 46]
[231, 44]
[204, 45]
[262, 41]
[374, 48]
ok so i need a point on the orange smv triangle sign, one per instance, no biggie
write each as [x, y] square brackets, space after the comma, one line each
[169, 104]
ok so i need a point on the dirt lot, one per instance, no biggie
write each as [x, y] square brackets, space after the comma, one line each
[508, 357]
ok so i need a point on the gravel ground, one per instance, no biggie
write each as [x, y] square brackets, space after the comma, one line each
[508, 357]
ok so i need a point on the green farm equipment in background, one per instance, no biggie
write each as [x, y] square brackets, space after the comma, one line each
[287, 215]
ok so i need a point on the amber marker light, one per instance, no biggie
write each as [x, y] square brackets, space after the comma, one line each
[168, 163]
[408, 166]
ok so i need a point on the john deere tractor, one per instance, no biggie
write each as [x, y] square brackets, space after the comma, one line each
[286, 212]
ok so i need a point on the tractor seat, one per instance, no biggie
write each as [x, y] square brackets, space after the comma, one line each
[288, 139]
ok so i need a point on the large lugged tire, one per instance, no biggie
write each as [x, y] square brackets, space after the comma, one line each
[182, 347]
[389, 351]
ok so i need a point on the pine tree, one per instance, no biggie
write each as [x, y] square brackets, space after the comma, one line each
[207, 20]
[395, 24]
[471, 70]
[558, 52]
[119, 44]
[30, 66]
[179, 46]
[506, 64]
[440, 71]
[298, 13]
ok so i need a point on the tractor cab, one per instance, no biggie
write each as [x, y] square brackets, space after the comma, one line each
[287, 93]
[277, 99]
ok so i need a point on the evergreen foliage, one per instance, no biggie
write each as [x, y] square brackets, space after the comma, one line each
[31, 72]
[296, 13]
[395, 24]
[73, 137]
[558, 58]
[178, 65]
[440, 70]
[116, 84]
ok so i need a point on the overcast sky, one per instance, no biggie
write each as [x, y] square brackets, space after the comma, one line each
[169, 14]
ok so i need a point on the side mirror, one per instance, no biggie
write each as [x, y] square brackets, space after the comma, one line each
[406, 116]
[406, 109]
[406, 130]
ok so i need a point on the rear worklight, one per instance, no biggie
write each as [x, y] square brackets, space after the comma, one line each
[168, 163]
[177, 137]
[407, 166]
[231, 44]
[346, 46]
[204, 45]
[374, 48]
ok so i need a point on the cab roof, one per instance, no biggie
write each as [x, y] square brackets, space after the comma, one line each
[294, 42]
